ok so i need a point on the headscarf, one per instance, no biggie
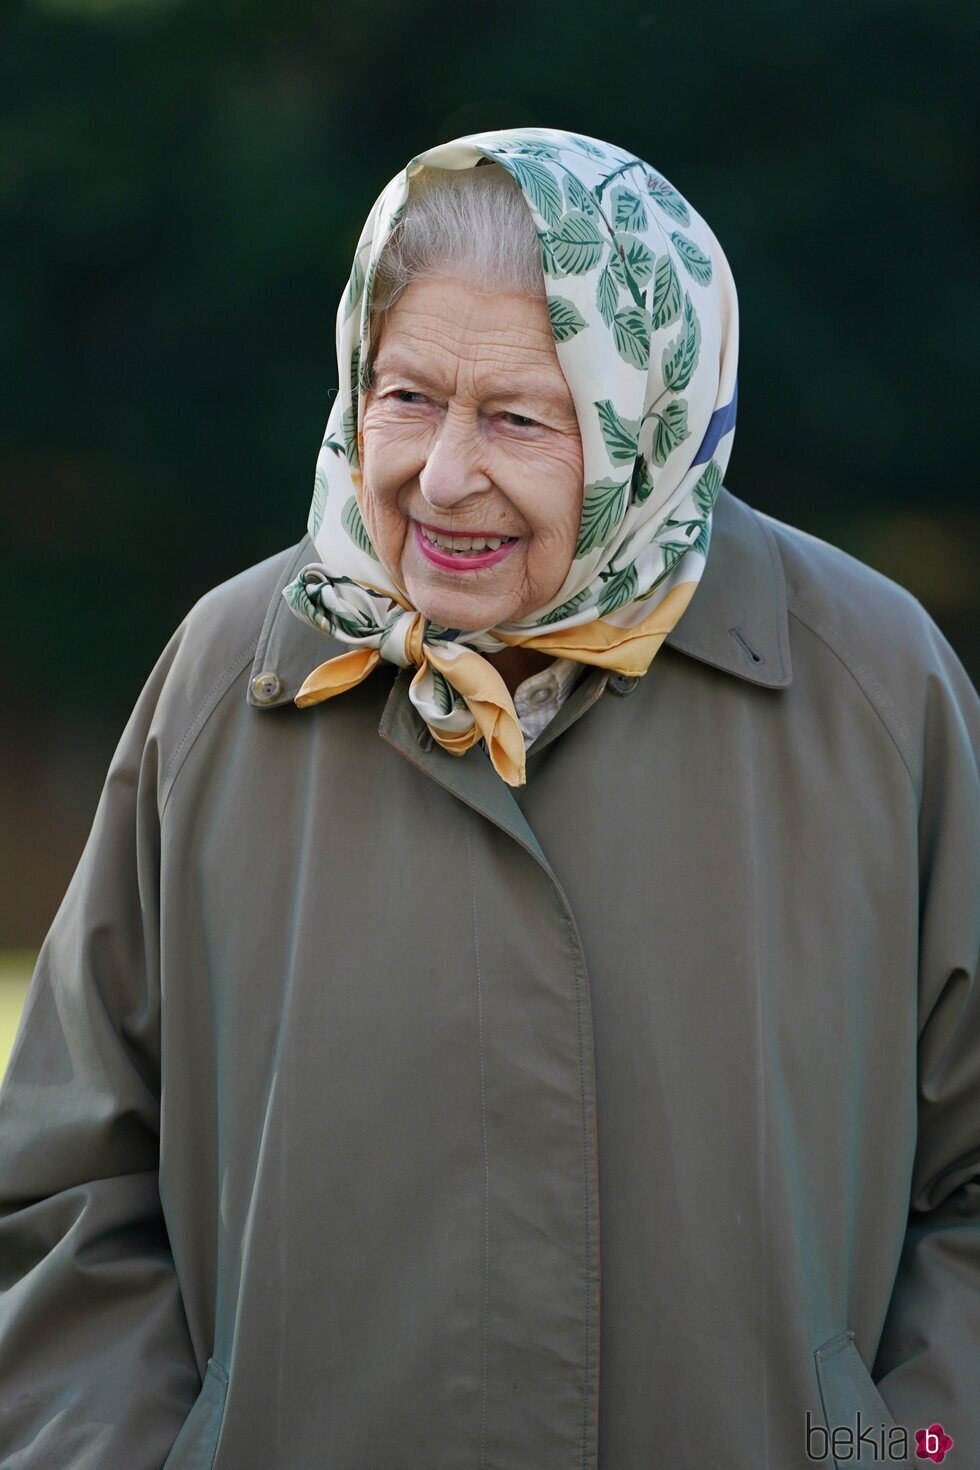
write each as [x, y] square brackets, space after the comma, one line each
[645, 320]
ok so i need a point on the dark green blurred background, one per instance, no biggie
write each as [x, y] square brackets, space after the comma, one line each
[181, 188]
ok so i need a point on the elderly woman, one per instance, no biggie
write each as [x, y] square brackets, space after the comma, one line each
[514, 1007]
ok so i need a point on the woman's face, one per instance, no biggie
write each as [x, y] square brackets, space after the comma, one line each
[469, 430]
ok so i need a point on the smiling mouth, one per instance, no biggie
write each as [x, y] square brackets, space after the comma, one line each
[482, 552]
[472, 545]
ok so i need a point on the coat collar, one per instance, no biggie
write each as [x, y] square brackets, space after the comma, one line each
[737, 620]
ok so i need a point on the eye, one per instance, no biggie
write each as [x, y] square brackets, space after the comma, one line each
[521, 421]
[407, 395]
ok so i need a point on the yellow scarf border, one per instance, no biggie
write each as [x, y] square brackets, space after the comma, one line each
[622, 650]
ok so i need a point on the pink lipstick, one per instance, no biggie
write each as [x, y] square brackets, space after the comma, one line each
[459, 561]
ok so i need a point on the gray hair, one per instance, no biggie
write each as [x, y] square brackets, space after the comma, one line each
[472, 223]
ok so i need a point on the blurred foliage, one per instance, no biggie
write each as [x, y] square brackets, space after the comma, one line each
[16, 970]
[182, 185]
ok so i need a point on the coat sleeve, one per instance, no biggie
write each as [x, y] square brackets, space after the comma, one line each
[96, 1366]
[928, 1362]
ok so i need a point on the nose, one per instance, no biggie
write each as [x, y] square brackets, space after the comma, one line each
[453, 468]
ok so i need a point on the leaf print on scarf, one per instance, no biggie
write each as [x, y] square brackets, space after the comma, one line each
[630, 260]
[631, 331]
[444, 696]
[578, 196]
[319, 504]
[681, 356]
[666, 305]
[360, 373]
[629, 211]
[673, 551]
[705, 491]
[588, 147]
[356, 285]
[671, 429]
[353, 524]
[620, 434]
[668, 198]
[566, 319]
[574, 248]
[601, 513]
[620, 588]
[531, 148]
[623, 240]
[349, 424]
[607, 295]
[565, 609]
[538, 183]
[696, 262]
[641, 484]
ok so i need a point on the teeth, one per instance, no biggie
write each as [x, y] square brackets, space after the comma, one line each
[465, 543]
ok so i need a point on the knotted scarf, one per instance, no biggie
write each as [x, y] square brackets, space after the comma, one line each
[645, 320]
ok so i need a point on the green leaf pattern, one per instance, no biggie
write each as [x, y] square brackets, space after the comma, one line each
[601, 511]
[355, 286]
[566, 319]
[540, 186]
[618, 589]
[353, 524]
[443, 694]
[606, 295]
[574, 248]
[578, 196]
[629, 211]
[620, 434]
[641, 484]
[319, 503]
[694, 260]
[631, 260]
[666, 304]
[565, 609]
[705, 491]
[668, 199]
[671, 429]
[350, 433]
[631, 330]
[639, 350]
[681, 355]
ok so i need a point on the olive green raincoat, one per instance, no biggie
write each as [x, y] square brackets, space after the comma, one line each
[369, 1114]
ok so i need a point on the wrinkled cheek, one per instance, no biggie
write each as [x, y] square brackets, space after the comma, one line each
[550, 561]
[386, 525]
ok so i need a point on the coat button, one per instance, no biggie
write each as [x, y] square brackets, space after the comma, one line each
[623, 683]
[266, 686]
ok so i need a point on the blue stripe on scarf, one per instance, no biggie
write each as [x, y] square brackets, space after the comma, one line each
[721, 422]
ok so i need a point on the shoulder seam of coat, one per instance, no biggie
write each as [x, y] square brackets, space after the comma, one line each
[224, 682]
[872, 691]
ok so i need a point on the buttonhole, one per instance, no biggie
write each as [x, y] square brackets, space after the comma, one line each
[425, 738]
[756, 658]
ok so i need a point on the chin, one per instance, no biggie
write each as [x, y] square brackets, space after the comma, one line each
[460, 612]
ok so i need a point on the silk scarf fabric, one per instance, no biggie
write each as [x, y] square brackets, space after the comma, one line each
[645, 320]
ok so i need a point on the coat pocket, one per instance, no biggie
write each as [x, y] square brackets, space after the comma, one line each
[195, 1446]
[866, 1432]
